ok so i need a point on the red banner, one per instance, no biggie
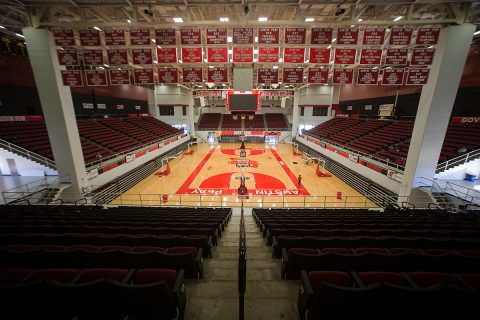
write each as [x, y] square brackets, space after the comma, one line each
[191, 75]
[72, 78]
[393, 77]
[427, 35]
[217, 54]
[400, 36]
[268, 54]
[345, 56]
[295, 35]
[167, 55]
[190, 36]
[165, 37]
[242, 36]
[119, 77]
[293, 75]
[143, 76]
[396, 56]
[466, 120]
[342, 76]
[192, 55]
[217, 75]
[422, 57]
[267, 76]
[321, 36]
[167, 75]
[216, 35]
[96, 77]
[371, 56]
[347, 36]
[140, 37]
[320, 55]
[93, 57]
[89, 37]
[417, 77]
[242, 54]
[68, 57]
[367, 76]
[317, 75]
[115, 37]
[64, 37]
[268, 35]
[373, 36]
[294, 55]
[117, 56]
[142, 56]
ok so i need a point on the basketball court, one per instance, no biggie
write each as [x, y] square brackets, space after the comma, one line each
[212, 174]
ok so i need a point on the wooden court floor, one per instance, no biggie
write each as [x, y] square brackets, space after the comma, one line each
[210, 177]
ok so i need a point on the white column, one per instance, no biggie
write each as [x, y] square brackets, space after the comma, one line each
[190, 113]
[435, 106]
[58, 111]
[295, 113]
[152, 105]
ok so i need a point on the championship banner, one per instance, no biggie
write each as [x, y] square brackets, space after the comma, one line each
[371, 56]
[167, 75]
[427, 36]
[192, 55]
[115, 37]
[267, 76]
[317, 75]
[347, 36]
[400, 36]
[242, 36]
[217, 75]
[165, 37]
[293, 75]
[321, 36]
[89, 37]
[295, 35]
[143, 76]
[393, 77]
[190, 36]
[72, 78]
[96, 77]
[192, 75]
[64, 38]
[268, 35]
[342, 76]
[417, 76]
[216, 35]
[268, 54]
[367, 76]
[422, 57]
[242, 54]
[140, 37]
[320, 55]
[119, 77]
[166, 55]
[373, 36]
[142, 56]
[217, 54]
[294, 55]
[345, 56]
[396, 56]
[117, 56]
[93, 57]
[68, 57]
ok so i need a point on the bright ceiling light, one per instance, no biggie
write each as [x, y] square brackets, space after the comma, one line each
[177, 20]
[329, 46]
[2, 27]
[334, 39]
[360, 19]
[106, 65]
[263, 19]
[255, 51]
[256, 39]
[275, 67]
[224, 19]
[230, 51]
[229, 39]
[129, 21]
[19, 35]
[309, 19]
[398, 18]
[280, 60]
[475, 33]
[97, 28]
[154, 41]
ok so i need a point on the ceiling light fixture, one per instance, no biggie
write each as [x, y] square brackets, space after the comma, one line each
[398, 18]
[475, 33]
[178, 19]
[19, 35]
[224, 19]
[263, 19]
[129, 21]
[229, 39]
[309, 19]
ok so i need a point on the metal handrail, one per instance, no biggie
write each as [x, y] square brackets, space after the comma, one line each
[464, 158]
[28, 154]
[466, 194]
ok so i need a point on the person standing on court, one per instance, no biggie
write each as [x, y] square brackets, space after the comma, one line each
[299, 180]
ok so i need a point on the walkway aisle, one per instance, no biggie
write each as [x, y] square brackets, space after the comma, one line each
[216, 296]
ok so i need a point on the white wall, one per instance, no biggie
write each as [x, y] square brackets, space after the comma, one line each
[459, 173]
[379, 178]
[172, 94]
[315, 94]
[25, 167]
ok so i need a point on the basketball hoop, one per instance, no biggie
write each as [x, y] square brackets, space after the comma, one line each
[250, 117]
[235, 117]
[243, 117]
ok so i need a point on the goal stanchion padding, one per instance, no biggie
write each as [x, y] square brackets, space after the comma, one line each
[188, 153]
[165, 172]
[320, 173]
[295, 153]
